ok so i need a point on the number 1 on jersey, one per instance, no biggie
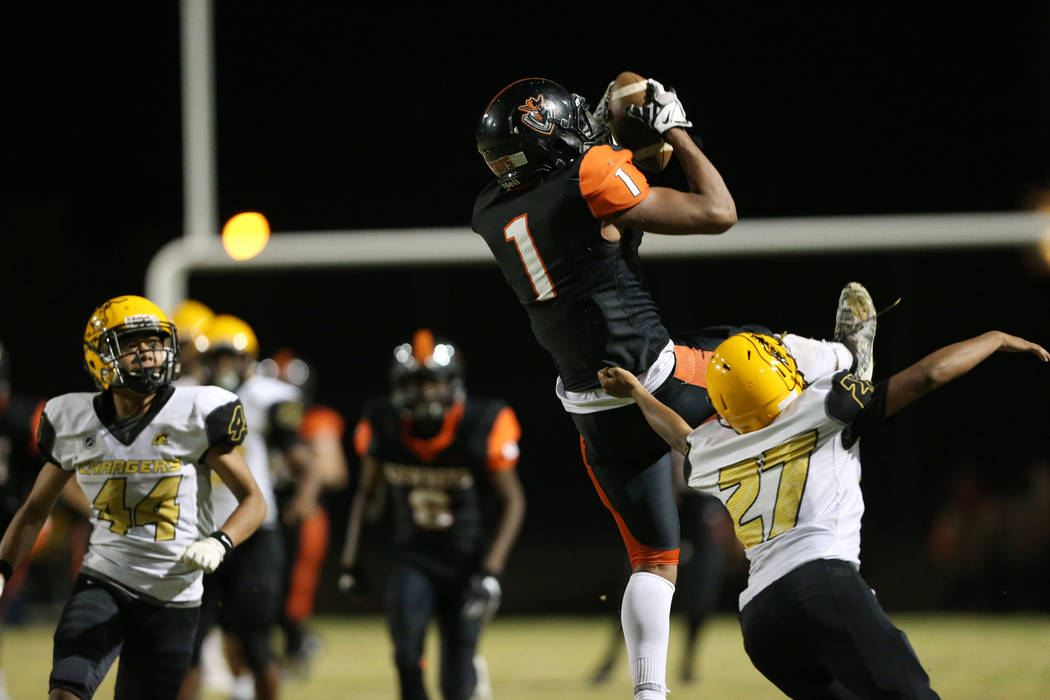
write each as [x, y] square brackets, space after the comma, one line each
[518, 231]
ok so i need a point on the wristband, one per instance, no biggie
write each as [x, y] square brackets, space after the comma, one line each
[223, 538]
[6, 569]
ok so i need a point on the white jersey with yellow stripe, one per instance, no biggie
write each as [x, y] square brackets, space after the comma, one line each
[792, 489]
[150, 492]
[266, 401]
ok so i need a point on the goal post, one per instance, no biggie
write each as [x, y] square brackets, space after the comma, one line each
[167, 276]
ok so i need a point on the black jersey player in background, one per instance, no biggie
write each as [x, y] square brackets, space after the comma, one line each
[564, 220]
[442, 455]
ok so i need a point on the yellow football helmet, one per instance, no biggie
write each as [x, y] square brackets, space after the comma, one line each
[113, 333]
[750, 378]
[226, 332]
[188, 318]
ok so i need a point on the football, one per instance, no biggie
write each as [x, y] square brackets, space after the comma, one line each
[651, 152]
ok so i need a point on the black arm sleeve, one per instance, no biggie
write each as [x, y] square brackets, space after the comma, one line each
[226, 425]
[45, 439]
[870, 419]
[285, 418]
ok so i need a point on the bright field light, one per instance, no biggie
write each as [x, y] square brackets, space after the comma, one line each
[245, 235]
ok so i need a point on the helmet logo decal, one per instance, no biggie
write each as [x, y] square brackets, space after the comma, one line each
[501, 166]
[143, 320]
[535, 109]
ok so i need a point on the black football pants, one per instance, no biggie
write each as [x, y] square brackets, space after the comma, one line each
[100, 622]
[415, 598]
[819, 632]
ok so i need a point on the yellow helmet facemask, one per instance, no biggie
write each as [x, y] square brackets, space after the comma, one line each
[130, 343]
[750, 379]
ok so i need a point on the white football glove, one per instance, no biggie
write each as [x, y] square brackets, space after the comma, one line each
[483, 598]
[662, 109]
[5, 573]
[601, 111]
[205, 554]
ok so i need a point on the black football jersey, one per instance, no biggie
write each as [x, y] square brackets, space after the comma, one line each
[436, 486]
[587, 298]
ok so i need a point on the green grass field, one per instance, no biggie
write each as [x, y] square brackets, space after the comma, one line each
[978, 658]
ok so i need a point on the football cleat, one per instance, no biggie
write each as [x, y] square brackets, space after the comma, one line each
[855, 321]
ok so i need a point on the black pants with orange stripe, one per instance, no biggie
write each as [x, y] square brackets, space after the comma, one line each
[630, 464]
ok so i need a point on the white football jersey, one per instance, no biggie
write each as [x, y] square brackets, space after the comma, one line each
[792, 489]
[265, 400]
[150, 494]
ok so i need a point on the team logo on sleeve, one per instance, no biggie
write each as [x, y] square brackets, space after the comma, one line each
[859, 389]
[160, 439]
[536, 115]
[238, 425]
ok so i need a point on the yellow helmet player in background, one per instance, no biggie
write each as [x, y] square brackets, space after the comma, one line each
[228, 349]
[751, 378]
[129, 343]
[189, 317]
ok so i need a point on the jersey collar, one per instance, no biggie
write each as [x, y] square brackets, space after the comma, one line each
[127, 429]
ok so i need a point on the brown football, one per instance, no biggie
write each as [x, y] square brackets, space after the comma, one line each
[651, 152]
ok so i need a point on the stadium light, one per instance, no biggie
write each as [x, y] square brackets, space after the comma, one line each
[245, 235]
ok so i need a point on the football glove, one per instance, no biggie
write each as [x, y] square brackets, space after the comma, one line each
[483, 597]
[352, 581]
[206, 554]
[601, 111]
[662, 109]
[5, 573]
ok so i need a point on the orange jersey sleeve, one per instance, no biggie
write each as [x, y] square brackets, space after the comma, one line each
[319, 420]
[503, 441]
[610, 182]
[362, 437]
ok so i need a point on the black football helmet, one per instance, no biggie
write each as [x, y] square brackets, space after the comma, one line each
[426, 379]
[533, 127]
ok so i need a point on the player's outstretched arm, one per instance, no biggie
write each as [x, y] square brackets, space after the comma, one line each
[661, 418]
[229, 464]
[952, 361]
[21, 534]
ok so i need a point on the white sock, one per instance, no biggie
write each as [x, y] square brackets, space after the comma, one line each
[645, 616]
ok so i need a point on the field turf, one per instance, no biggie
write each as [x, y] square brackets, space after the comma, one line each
[540, 658]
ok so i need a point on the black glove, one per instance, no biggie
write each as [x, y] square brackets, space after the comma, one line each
[352, 581]
[483, 597]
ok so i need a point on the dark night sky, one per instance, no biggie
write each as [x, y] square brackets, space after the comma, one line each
[334, 118]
